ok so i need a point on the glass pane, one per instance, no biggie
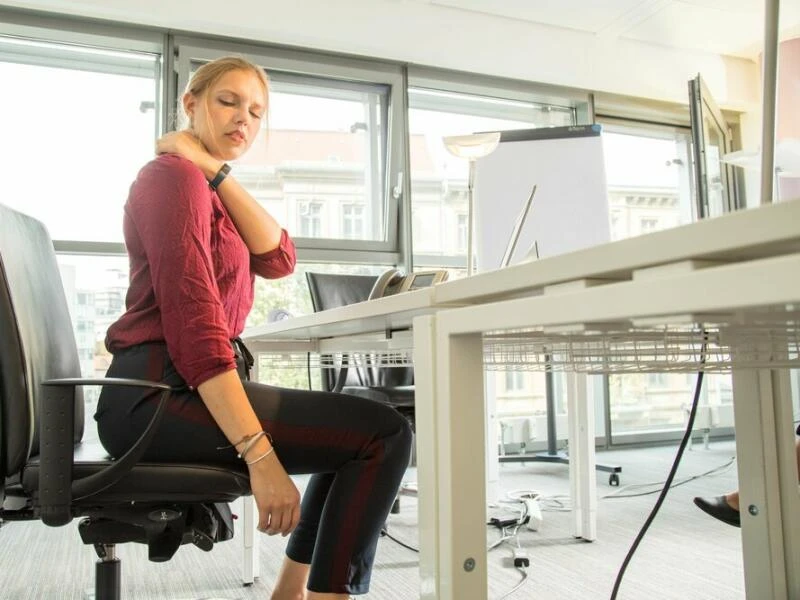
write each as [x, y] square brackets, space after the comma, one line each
[716, 193]
[648, 181]
[319, 168]
[79, 135]
[95, 288]
[439, 180]
[715, 148]
[439, 210]
[649, 188]
[290, 294]
[657, 402]
[277, 298]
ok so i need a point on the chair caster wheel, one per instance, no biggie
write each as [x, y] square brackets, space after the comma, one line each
[613, 479]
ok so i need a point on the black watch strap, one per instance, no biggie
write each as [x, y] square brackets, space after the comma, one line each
[220, 176]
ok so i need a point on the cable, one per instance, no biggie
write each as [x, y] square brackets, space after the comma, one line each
[386, 533]
[308, 368]
[524, 572]
[670, 477]
[521, 563]
[505, 536]
[554, 503]
[620, 493]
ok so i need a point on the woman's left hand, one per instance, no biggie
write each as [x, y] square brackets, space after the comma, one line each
[185, 144]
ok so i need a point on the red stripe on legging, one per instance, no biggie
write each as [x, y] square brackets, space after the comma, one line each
[350, 527]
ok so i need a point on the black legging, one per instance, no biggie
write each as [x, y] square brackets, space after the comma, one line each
[356, 449]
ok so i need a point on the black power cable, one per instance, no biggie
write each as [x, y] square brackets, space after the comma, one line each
[662, 496]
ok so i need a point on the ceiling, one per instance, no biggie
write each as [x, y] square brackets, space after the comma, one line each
[731, 27]
[642, 48]
[727, 27]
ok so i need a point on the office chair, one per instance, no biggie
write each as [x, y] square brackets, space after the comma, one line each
[46, 472]
[393, 386]
[389, 385]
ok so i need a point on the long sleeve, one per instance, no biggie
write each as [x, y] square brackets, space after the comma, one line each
[278, 262]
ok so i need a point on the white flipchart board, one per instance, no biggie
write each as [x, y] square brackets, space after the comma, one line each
[570, 208]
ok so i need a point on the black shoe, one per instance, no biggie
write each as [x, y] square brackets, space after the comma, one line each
[719, 508]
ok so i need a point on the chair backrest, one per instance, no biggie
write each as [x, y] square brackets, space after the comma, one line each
[36, 338]
[331, 290]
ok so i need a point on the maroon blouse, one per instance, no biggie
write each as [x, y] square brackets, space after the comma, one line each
[191, 274]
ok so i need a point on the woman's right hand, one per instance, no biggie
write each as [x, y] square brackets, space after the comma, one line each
[276, 495]
[185, 144]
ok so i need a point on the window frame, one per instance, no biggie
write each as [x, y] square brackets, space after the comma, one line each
[89, 33]
[435, 79]
[303, 62]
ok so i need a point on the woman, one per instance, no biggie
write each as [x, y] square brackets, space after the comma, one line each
[195, 239]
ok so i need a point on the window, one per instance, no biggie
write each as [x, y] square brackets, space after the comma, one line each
[327, 137]
[442, 104]
[65, 89]
[439, 180]
[648, 224]
[98, 90]
[648, 178]
[89, 281]
[650, 187]
[514, 381]
[290, 295]
[330, 159]
[353, 221]
[309, 219]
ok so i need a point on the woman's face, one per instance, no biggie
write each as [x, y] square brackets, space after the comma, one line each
[227, 116]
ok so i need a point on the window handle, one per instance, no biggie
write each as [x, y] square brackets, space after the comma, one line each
[397, 190]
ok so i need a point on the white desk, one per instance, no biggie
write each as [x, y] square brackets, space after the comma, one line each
[725, 272]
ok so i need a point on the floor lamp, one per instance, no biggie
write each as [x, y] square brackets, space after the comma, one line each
[471, 147]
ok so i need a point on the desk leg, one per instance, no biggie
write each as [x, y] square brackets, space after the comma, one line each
[427, 467]
[460, 435]
[767, 484]
[580, 411]
[250, 566]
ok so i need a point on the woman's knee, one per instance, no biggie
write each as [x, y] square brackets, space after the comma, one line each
[404, 433]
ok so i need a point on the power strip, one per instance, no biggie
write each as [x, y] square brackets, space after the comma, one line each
[534, 513]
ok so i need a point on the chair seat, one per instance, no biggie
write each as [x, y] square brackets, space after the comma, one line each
[149, 481]
[397, 397]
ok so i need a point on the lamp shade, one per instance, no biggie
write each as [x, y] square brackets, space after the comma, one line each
[472, 146]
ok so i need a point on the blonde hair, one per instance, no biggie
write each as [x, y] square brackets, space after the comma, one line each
[207, 75]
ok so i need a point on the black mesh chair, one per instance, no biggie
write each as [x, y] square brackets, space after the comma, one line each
[366, 377]
[46, 473]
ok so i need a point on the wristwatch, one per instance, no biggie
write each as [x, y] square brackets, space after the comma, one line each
[220, 176]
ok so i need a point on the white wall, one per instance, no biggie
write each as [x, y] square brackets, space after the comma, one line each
[427, 34]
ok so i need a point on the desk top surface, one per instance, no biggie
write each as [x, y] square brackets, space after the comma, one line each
[767, 231]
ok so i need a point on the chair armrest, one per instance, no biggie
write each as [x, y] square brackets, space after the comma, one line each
[57, 423]
[76, 381]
